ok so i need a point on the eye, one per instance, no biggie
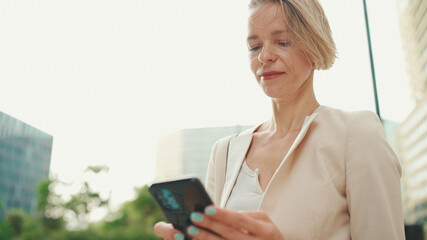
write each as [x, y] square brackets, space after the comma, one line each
[284, 43]
[252, 49]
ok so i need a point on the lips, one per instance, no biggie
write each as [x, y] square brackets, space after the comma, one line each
[270, 75]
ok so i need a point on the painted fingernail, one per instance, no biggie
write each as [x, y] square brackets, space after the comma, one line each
[210, 211]
[178, 236]
[197, 217]
[193, 230]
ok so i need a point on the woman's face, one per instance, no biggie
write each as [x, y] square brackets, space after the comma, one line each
[282, 70]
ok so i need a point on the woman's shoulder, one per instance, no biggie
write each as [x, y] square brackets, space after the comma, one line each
[334, 115]
[353, 124]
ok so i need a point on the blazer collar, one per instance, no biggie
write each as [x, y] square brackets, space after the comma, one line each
[239, 146]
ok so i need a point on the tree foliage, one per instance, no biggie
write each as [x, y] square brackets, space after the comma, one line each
[97, 169]
[133, 220]
[49, 206]
[15, 218]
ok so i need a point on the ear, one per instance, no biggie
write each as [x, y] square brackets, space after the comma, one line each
[313, 65]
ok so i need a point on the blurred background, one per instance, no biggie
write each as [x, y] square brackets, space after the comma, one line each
[99, 98]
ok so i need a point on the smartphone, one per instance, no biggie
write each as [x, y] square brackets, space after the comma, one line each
[179, 198]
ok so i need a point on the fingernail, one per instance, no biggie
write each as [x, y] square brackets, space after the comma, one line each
[197, 217]
[210, 211]
[193, 230]
[178, 236]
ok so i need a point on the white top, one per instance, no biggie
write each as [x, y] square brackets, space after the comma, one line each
[247, 193]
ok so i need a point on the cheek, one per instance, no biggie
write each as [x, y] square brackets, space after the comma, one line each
[305, 67]
[302, 63]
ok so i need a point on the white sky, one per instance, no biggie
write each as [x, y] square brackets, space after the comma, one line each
[106, 78]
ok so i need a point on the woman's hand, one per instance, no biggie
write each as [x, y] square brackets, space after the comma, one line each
[167, 231]
[233, 225]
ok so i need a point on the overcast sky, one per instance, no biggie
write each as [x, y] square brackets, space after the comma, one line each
[106, 78]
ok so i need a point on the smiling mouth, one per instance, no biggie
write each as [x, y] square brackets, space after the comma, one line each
[271, 75]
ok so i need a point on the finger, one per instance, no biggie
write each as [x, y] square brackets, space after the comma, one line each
[199, 233]
[259, 215]
[167, 231]
[217, 226]
[239, 220]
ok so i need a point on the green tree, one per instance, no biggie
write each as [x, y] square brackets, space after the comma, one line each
[15, 218]
[83, 202]
[49, 206]
[135, 219]
[97, 169]
[5, 231]
[86, 200]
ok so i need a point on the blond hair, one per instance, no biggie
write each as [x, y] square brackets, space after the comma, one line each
[308, 22]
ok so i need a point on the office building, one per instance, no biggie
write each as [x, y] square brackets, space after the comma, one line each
[187, 152]
[24, 160]
[411, 146]
[411, 134]
[413, 28]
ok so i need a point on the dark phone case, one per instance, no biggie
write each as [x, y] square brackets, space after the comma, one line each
[179, 198]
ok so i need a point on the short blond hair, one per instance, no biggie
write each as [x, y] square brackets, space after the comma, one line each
[308, 22]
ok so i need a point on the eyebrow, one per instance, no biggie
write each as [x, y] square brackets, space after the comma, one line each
[277, 32]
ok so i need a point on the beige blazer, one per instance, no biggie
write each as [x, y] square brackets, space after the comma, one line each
[340, 179]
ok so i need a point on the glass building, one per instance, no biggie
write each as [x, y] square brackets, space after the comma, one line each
[187, 152]
[411, 134]
[411, 144]
[24, 160]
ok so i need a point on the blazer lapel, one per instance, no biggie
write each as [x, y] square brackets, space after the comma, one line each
[239, 146]
[295, 144]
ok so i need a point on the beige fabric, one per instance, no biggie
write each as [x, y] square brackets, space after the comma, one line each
[215, 176]
[341, 180]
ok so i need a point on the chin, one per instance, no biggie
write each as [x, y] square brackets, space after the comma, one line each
[274, 95]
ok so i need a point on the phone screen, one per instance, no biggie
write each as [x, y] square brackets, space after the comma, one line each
[179, 198]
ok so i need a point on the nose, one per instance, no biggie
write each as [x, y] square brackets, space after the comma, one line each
[267, 54]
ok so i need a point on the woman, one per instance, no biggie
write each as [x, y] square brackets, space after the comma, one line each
[311, 172]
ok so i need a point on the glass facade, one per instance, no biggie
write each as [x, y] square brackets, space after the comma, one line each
[188, 151]
[413, 26]
[197, 147]
[411, 137]
[411, 134]
[25, 154]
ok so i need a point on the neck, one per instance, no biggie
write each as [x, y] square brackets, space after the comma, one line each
[289, 114]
